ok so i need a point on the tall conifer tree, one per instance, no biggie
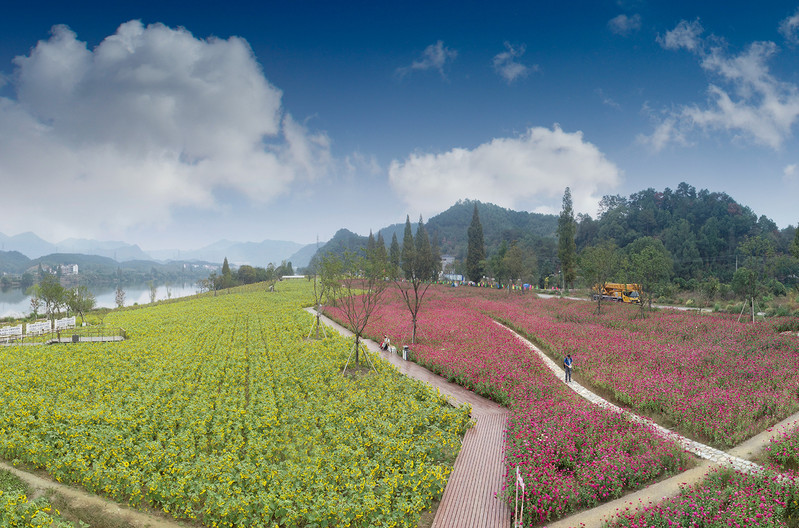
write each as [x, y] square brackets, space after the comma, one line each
[795, 247]
[420, 268]
[475, 251]
[394, 252]
[408, 255]
[381, 246]
[567, 249]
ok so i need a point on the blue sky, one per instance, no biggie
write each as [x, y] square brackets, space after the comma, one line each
[174, 124]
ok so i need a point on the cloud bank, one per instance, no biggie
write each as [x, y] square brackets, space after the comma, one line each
[744, 98]
[531, 169]
[149, 120]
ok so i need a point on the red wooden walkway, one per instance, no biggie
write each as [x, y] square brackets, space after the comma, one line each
[470, 499]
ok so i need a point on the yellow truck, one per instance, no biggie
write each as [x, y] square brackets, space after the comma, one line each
[619, 292]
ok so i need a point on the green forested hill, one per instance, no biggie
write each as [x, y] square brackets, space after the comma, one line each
[342, 242]
[701, 230]
[499, 224]
[13, 262]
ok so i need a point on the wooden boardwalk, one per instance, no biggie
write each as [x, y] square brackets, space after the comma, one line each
[472, 498]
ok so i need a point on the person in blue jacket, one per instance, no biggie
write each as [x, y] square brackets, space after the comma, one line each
[567, 365]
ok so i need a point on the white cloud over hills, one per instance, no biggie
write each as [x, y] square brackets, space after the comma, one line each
[527, 172]
[149, 120]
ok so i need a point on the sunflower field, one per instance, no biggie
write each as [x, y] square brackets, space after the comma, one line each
[217, 409]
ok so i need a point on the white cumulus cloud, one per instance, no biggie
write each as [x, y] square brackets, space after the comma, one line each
[790, 173]
[529, 171]
[685, 35]
[789, 28]
[506, 65]
[149, 120]
[434, 57]
[625, 25]
[744, 98]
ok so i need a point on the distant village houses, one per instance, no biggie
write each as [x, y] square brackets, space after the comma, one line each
[65, 270]
[69, 269]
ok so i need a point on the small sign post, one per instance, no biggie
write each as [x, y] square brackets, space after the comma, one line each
[518, 508]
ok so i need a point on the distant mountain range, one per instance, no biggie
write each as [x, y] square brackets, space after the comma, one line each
[449, 229]
[701, 230]
[32, 246]
[253, 253]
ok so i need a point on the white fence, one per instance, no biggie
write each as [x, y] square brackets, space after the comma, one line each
[66, 322]
[10, 331]
[39, 328]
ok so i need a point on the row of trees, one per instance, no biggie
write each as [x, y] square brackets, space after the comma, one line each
[50, 295]
[646, 260]
[760, 262]
[513, 262]
[246, 274]
[357, 282]
[702, 230]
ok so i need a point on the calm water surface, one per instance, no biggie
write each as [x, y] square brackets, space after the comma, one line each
[15, 303]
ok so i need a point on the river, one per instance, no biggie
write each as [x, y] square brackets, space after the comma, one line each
[15, 303]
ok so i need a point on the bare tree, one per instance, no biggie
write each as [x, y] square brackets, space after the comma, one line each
[52, 295]
[331, 269]
[80, 300]
[36, 300]
[120, 296]
[363, 284]
[419, 270]
[153, 291]
[319, 293]
[272, 276]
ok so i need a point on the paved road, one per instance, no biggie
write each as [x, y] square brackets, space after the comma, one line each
[681, 308]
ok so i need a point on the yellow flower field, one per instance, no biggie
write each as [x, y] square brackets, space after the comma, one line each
[218, 409]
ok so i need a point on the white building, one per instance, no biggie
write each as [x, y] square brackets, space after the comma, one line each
[69, 269]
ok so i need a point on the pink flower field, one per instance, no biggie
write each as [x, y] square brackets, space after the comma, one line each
[725, 500]
[706, 376]
[572, 454]
[783, 451]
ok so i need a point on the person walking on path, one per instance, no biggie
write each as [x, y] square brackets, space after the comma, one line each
[567, 365]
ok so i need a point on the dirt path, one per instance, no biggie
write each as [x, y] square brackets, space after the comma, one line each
[91, 507]
[470, 498]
